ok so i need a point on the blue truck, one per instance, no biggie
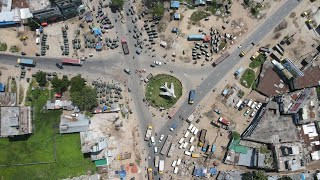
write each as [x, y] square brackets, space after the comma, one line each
[26, 62]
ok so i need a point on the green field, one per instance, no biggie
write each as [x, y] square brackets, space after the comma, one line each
[39, 147]
[248, 78]
[153, 91]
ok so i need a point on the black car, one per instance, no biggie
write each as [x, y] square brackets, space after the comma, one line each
[152, 65]
[23, 53]
[59, 65]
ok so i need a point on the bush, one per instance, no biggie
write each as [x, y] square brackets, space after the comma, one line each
[235, 135]
[3, 46]
[258, 61]
[255, 11]
[118, 4]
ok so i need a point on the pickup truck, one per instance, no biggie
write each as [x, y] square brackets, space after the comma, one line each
[148, 133]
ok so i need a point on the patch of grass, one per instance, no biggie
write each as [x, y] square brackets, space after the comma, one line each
[264, 150]
[198, 15]
[153, 91]
[13, 86]
[39, 147]
[14, 49]
[3, 46]
[247, 78]
[222, 45]
[258, 61]
[21, 94]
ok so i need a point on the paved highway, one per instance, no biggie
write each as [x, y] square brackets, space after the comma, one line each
[218, 73]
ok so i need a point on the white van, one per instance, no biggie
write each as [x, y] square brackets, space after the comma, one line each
[193, 129]
[155, 149]
[191, 139]
[178, 162]
[249, 103]
[238, 104]
[174, 163]
[181, 140]
[187, 153]
[185, 145]
[181, 145]
[187, 134]
[196, 131]
[191, 148]
[190, 127]
[152, 140]
[175, 171]
[37, 40]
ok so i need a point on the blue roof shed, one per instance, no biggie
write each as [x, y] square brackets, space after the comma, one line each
[2, 87]
[97, 31]
[175, 4]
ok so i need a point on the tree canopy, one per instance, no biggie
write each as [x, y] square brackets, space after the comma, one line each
[60, 85]
[254, 175]
[117, 4]
[235, 135]
[84, 98]
[77, 83]
[41, 78]
[157, 9]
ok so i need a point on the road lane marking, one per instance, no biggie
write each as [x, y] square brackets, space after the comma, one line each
[268, 25]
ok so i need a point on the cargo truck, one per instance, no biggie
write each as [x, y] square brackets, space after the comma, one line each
[161, 166]
[238, 72]
[205, 146]
[172, 148]
[125, 46]
[166, 145]
[148, 133]
[220, 59]
[124, 156]
[192, 95]
[73, 62]
[26, 62]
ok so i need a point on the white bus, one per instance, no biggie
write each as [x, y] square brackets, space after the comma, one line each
[190, 127]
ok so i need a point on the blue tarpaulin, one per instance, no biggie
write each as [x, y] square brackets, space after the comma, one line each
[105, 108]
[213, 171]
[122, 174]
[199, 172]
[2, 87]
[175, 4]
[97, 31]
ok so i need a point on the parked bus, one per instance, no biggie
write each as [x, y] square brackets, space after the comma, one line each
[192, 95]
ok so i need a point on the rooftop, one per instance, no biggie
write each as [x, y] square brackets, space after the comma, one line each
[70, 124]
[288, 156]
[15, 121]
[311, 78]
[269, 127]
[270, 84]
[92, 141]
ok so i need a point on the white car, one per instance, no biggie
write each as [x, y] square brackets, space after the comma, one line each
[259, 106]
[161, 138]
[155, 149]
[157, 63]
[247, 112]
[254, 105]
[253, 113]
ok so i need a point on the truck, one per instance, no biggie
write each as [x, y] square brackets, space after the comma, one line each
[125, 46]
[220, 59]
[124, 156]
[26, 62]
[195, 155]
[172, 148]
[173, 126]
[238, 72]
[161, 166]
[244, 52]
[202, 137]
[224, 121]
[190, 118]
[150, 175]
[205, 146]
[238, 104]
[148, 133]
[166, 145]
[156, 161]
[73, 62]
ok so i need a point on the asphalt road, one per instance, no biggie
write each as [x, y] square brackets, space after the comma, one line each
[222, 69]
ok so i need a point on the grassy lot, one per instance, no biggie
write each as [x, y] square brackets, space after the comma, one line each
[198, 15]
[247, 78]
[258, 61]
[39, 147]
[153, 91]
[14, 49]
[3, 46]
[13, 86]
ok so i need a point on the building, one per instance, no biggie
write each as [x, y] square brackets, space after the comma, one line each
[15, 121]
[15, 17]
[310, 79]
[270, 83]
[60, 104]
[69, 124]
[288, 64]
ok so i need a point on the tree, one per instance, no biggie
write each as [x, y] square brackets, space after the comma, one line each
[41, 78]
[255, 11]
[246, 2]
[235, 135]
[60, 85]
[157, 9]
[77, 83]
[118, 4]
[254, 175]
[85, 98]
